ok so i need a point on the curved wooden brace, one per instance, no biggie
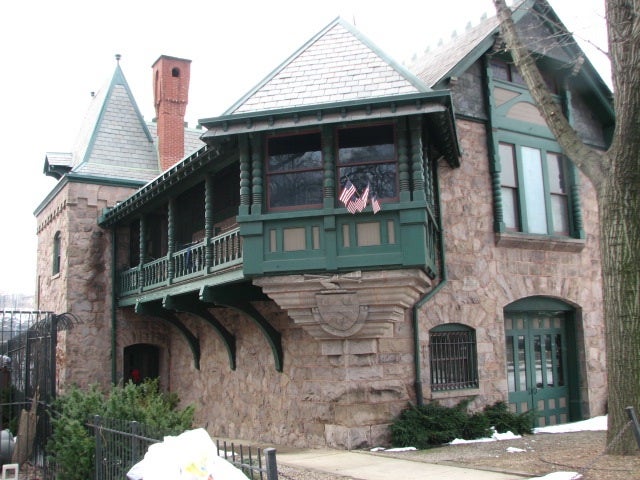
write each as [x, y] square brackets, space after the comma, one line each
[199, 310]
[240, 302]
[157, 310]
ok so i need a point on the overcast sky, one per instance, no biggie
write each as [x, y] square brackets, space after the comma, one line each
[55, 53]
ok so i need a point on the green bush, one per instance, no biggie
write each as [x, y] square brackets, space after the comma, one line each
[71, 446]
[432, 425]
[505, 421]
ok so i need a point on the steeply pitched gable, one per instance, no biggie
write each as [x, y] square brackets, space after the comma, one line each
[115, 142]
[538, 25]
[338, 64]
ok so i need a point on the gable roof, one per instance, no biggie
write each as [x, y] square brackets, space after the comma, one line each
[114, 142]
[436, 67]
[338, 64]
[439, 64]
[338, 74]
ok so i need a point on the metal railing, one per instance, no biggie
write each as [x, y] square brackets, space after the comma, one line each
[119, 445]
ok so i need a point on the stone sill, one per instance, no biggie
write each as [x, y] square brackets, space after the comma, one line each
[57, 275]
[462, 392]
[539, 242]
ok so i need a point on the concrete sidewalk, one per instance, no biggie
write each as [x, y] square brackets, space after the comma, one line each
[367, 466]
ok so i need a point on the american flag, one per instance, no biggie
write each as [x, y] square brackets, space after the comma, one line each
[364, 198]
[348, 192]
[375, 204]
[352, 206]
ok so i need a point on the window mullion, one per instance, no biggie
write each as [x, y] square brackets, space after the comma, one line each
[522, 210]
[547, 191]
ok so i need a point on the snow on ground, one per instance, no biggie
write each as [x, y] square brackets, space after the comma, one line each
[592, 424]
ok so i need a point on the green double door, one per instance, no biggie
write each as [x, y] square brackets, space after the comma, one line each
[537, 365]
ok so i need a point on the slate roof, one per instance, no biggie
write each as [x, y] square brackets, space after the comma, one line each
[434, 66]
[115, 142]
[338, 64]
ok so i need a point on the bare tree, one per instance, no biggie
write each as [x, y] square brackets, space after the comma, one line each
[615, 175]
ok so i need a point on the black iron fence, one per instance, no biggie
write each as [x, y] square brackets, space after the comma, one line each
[122, 444]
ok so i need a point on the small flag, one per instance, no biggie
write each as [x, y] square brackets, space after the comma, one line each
[364, 199]
[375, 204]
[352, 206]
[348, 192]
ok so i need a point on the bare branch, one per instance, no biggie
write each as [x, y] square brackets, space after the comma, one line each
[589, 161]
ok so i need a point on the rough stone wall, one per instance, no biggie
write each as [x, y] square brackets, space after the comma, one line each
[83, 286]
[483, 278]
[341, 394]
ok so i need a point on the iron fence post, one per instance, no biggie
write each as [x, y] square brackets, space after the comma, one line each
[636, 425]
[271, 465]
[135, 429]
[52, 345]
[98, 442]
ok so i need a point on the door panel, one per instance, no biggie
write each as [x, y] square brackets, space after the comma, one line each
[537, 365]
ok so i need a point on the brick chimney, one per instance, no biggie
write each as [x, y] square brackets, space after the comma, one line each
[170, 97]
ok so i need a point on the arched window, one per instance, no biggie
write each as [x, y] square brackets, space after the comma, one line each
[453, 355]
[56, 253]
[175, 72]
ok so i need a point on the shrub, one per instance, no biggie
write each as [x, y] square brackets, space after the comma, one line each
[505, 421]
[71, 446]
[433, 424]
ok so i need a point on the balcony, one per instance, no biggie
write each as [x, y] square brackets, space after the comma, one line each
[220, 256]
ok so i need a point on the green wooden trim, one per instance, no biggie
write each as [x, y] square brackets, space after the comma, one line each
[193, 306]
[171, 241]
[329, 162]
[222, 298]
[245, 175]
[256, 174]
[156, 309]
[495, 167]
[538, 303]
[417, 160]
[452, 327]
[442, 97]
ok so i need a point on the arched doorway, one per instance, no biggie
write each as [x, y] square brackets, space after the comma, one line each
[541, 359]
[141, 362]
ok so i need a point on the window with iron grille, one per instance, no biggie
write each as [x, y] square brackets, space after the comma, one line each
[453, 357]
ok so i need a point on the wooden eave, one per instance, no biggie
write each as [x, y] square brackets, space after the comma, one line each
[435, 105]
[177, 174]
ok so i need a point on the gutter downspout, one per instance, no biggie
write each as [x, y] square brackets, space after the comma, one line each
[113, 305]
[428, 296]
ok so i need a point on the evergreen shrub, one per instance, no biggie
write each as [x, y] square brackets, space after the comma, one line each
[505, 421]
[71, 446]
[431, 425]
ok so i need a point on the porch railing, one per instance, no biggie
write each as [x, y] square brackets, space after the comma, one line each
[203, 258]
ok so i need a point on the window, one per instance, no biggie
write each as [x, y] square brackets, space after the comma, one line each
[534, 190]
[294, 171]
[453, 357]
[56, 253]
[507, 72]
[367, 155]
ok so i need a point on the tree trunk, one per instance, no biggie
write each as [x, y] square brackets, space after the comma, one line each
[616, 178]
[619, 207]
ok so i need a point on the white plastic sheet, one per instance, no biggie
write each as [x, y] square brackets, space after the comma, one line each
[191, 455]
